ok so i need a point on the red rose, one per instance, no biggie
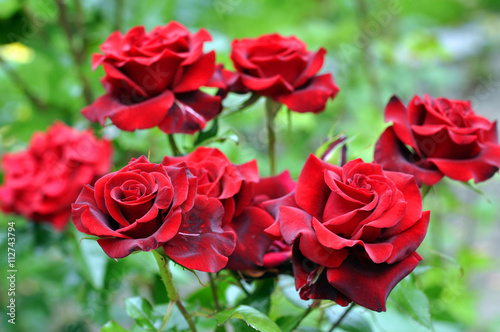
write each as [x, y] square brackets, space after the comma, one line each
[255, 251]
[438, 137]
[42, 181]
[153, 79]
[145, 206]
[282, 68]
[354, 231]
[241, 192]
[217, 176]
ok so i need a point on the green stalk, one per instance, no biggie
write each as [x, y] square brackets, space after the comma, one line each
[341, 318]
[173, 145]
[214, 291]
[272, 108]
[166, 276]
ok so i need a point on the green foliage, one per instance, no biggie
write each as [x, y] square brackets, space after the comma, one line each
[251, 316]
[410, 300]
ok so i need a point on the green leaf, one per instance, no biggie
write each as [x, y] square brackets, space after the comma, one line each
[229, 135]
[444, 257]
[288, 323]
[141, 310]
[204, 135]
[354, 321]
[95, 260]
[410, 300]
[251, 316]
[473, 186]
[112, 326]
[260, 299]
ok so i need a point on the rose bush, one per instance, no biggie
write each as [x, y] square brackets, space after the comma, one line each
[153, 79]
[42, 181]
[283, 69]
[433, 138]
[354, 231]
[145, 206]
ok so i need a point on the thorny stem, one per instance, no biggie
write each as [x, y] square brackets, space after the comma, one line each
[341, 318]
[166, 276]
[272, 108]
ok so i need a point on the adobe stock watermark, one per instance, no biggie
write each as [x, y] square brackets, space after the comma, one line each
[377, 22]
[487, 87]
[225, 7]
[11, 272]
[46, 10]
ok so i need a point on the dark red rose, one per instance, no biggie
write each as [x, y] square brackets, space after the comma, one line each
[153, 79]
[145, 206]
[42, 181]
[354, 231]
[255, 251]
[282, 68]
[433, 138]
[217, 176]
[241, 192]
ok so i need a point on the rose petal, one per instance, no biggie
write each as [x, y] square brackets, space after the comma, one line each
[196, 74]
[311, 97]
[89, 219]
[143, 115]
[369, 284]
[396, 112]
[201, 243]
[312, 193]
[394, 156]
[252, 243]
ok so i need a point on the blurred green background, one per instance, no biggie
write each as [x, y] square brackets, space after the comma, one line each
[448, 48]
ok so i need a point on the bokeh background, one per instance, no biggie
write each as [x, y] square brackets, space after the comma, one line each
[448, 48]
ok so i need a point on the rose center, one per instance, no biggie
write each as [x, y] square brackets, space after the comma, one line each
[131, 191]
[456, 114]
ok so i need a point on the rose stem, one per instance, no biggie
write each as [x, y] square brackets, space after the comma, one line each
[272, 108]
[214, 291]
[337, 323]
[166, 276]
[173, 145]
[304, 315]
[238, 281]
